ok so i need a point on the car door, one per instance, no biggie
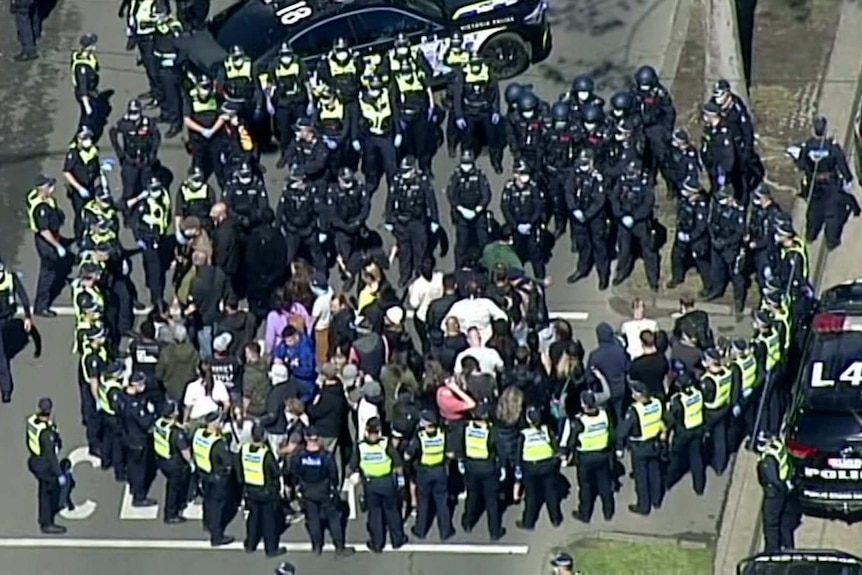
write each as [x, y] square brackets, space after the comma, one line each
[377, 28]
[316, 40]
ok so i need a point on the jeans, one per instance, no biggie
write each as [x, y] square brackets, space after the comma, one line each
[205, 341]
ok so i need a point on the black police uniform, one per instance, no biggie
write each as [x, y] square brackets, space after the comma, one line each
[825, 167]
[136, 143]
[428, 451]
[151, 225]
[590, 443]
[683, 163]
[594, 134]
[169, 441]
[142, 21]
[560, 150]
[587, 204]
[137, 417]
[476, 96]
[523, 205]
[659, 116]
[411, 205]
[93, 362]
[344, 77]
[10, 289]
[525, 135]
[83, 165]
[109, 400]
[481, 477]
[169, 74]
[641, 429]
[346, 211]
[469, 194]
[237, 76]
[214, 464]
[761, 246]
[727, 230]
[377, 462]
[310, 156]
[205, 111]
[284, 85]
[692, 243]
[334, 123]
[247, 200]
[43, 443]
[299, 215]
[375, 129]
[410, 90]
[634, 198]
[685, 420]
[716, 387]
[718, 156]
[315, 475]
[456, 57]
[538, 468]
[195, 198]
[85, 78]
[780, 509]
[750, 170]
[259, 474]
[46, 216]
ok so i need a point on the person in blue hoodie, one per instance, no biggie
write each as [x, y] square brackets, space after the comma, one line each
[612, 360]
[296, 350]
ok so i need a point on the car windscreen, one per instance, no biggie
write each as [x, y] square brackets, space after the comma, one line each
[255, 28]
[832, 375]
[801, 567]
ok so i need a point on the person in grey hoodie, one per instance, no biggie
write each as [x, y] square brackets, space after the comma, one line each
[612, 360]
[177, 365]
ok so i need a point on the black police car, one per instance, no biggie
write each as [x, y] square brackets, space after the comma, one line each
[801, 562]
[511, 34]
[824, 423]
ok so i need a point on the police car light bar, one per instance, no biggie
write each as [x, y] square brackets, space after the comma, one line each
[834, 323]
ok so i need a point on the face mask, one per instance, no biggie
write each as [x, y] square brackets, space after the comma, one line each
[134, 116]
[87, 143]
[466, 167]
[777, 238]
[621, 137]
[402, 50]
[244, 179]
[590, 126]
[524, 179]
[722, 99]
[560, 125]
[374, 94]
[286, 60]
[583, 96]
[156, 193]
[204, 93]
[408, 175]
[527, 114]
[644, 88]
[342, 55]
[584, 167]
[724, 201]
[345, 184]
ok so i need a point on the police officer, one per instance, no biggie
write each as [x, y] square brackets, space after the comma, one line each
[45, 219]
[683, 163]
[85, 79]
[376, 134]
[632, 202]
[308, 151]
[760, 236]
[203, 120]
[727, 232]
[692, 242]
[749, 174]
[28, 24]
[11, 289]
[526, 133]
[716, 149]
[194, 198]
[380, 466]
[237, 76]
[411, 209]
[747, 373]
[333, 123]
[285, 90]
[429, 452]
[300, 216]
[653, 102]
[237, 144]
[592, 450]
[476, 96]
[94, 360]
[151, 226]
[564, 564]
[415, 103]
[522, 206]
[469, 194]
[144, 351]
[142, 28]
[43, 444]
[109, 397]
[780, 508]
[168, 29]
[623, 108]
[624, 147]
[768, 343]
[137, 417]
[560, 151]
[214, 463]
[81, 173]
[538, 471]
[582, 95]
[172, 447]
[587, 202]
[685, 424]
[136, 140]
[341, 71]
[481, 470]
[792, 266]
[347, 209]
[403, 54]
[314, 473]
[595, 134]
[88, 301]
[717, 386]
[644, 432]
[246, 196]
[260, 477]
[456, 57]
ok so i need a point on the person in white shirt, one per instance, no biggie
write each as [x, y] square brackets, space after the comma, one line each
[490, 362]
[632, 329]
[424, 289]
[476, 311]
[204, 395]
[369, 405]
[321, 317]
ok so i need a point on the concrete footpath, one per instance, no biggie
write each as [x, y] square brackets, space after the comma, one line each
[740, 531]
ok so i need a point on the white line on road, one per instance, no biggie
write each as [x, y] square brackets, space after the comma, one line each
[69, 311]
[193, 545]
[129, 511]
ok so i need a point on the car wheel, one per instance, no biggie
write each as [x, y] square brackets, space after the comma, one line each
[506, 54]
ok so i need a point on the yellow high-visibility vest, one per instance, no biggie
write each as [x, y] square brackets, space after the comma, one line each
[377, 112]
[537, 445]
[723, 384]
[597, 432]
[777, 450]
[373, 459]
[433, 448]
[237, 68]
[476, 441]
[772, 342]
[252, 458]
[83, 58]
[162, 438]
[202, 446]
[35, 428]
[103, 401]
[650, 418]
[748, 368]
[34, 200]
[692, 408]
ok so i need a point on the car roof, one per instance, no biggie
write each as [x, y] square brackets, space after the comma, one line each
[801, 561]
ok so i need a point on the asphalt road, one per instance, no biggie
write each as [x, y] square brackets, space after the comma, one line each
[608, 39]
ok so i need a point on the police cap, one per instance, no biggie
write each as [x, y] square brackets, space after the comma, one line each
[375, 83]
[138, 378]
[521, 168]
[588, 399]
[710, 109]
[170, 408]
[720, 88]
[94, 332]
[285, 49]
[408, 163]
[45, 406]
[43, 181]
[562, 560]
[303, 122]
[534, 416]
[236, 51]
[770, 285]
[784, 227]
[762, 191]
[427, 418]
[762, 317]
[345, 173]
[681, 137]
[638, 387]
[88, 40]
[310, 432]
[712, 355]
[88, 270]
[154, 184]
[84, 132]
[115, 368]
[773, 298]
[467, 157]
[684, 379]
[740, 344]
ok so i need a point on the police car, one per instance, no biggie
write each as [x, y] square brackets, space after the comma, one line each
[511, 34]
[801, 562]
[824, 423]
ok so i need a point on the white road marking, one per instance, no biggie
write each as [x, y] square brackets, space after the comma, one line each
[69, 311]
[128, 511]
[193, 545]
[88, 507]
[350, 489]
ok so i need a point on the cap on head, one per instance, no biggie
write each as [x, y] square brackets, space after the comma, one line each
[311, 432]
[534, 416]
[45, 406]
[740, 345]
[638, 387]
[138, 378]
[588, 399]
[427, 418]
[258, 433]
[84, 133]
[711, 355]
[88, 40]
[43, 181]
[762, 192]
[762, 317]
[710, 109]
[212, 417]
[680, 137]
[562, 560]
[373, 425]
[170, 408]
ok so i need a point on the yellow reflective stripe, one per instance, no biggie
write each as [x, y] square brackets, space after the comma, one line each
[35, 428]
[748, 368]
[692, 408]
[103, 400]
[723, 384]
[537, 445]
[476, 442]
[373, 459]
[202, 445]
[252, 464]
[433, 448]
[34, 200]
[597, 432]
[778, 451]
[162, 438]
[194, 192]
[334, 111]
[649, 416]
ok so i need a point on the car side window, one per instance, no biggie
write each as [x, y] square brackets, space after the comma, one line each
[318, 39]
[376, 25]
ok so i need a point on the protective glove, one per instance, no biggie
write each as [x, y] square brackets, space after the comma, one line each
[468, 213]
[682, 236]
[321, 238]
[519, 474]
[85, 194]
[579, 215]
[524, 229]
[767, 272]
[720, 180]
[62, 480]
[747, 392]
[192, 465]
[434, 227]
[619, 453]
[88, 108]
[398, 140]
[270, 109]
[461, 123]
[207, 133]
[400, 481]
[309, 109]
[61, 252]
[330, 143]
[789, 485]
[628, 221]
[142, 244]
[388, 227]
[125, 267]
[736, 411]
[462, 469]
[356, 145]
[502, 474]
[495, 118]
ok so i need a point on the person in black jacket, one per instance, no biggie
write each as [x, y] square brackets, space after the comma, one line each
[439, 308]
[208, 289]
[265, 262]
[274, 420]
[328, 412]
[227, 247]
[612, 360]
[697, 319]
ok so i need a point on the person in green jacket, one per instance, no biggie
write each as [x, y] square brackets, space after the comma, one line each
[502, 252]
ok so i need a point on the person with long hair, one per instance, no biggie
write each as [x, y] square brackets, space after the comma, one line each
[503, 342]
[509, 420]
[300, 284]
[284, 307]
